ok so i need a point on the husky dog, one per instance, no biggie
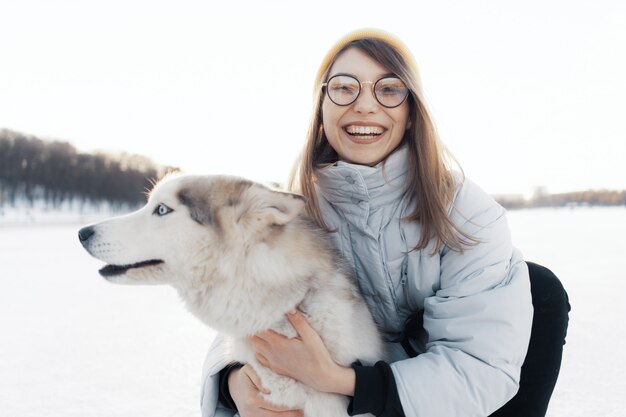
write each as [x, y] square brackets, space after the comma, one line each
[241, 256]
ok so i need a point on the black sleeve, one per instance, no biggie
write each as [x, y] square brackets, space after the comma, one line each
[375, 392]
[224, 394]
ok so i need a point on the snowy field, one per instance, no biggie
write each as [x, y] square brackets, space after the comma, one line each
[72, 344]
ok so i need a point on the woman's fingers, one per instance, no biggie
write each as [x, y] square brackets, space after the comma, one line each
[277, 410]
[267, 338]
[255, 379]
[303, 328]
[262, 360]
[245, 391]
[264, 406]
[289, 413]
[304, 358]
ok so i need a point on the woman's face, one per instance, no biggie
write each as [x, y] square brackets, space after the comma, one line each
[364, 132]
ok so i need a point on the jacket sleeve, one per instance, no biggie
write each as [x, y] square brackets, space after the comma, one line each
[217, 358]
[375, 391]
[478, 321]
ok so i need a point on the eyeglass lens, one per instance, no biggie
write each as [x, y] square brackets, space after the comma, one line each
[344, 90]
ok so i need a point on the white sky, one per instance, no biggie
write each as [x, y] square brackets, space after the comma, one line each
[524, 93]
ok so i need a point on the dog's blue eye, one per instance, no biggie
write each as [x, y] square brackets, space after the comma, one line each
[162, 210]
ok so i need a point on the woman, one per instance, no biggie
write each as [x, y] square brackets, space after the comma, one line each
[433, 258]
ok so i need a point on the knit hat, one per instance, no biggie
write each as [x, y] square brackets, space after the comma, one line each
[373, 33]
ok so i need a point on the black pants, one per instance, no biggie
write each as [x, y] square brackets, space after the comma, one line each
[543, 360]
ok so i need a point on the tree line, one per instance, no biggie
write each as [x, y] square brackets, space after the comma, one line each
[571, 199]
[32, 169]
[54, 171]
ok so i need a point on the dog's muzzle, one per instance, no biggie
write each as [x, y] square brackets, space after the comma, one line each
[85, 235]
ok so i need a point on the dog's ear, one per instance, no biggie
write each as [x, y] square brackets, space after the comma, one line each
[276, 207]
[198, 204]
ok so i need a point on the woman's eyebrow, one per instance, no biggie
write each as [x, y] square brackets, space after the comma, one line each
[342, 73]
[385, 75]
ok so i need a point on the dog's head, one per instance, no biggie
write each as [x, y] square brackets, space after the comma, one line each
[192, 228]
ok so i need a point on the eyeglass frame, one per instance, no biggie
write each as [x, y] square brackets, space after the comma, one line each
[360, 83]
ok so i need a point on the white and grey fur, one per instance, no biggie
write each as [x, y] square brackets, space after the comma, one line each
[241, 256]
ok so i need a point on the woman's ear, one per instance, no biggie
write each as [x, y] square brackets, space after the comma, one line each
[408, 124]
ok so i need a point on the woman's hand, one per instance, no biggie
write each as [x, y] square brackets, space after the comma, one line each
[304, 358]
[245, 388]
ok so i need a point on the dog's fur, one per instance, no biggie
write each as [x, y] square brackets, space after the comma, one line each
[241, 256]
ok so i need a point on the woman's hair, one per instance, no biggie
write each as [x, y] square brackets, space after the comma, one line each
[430, 182]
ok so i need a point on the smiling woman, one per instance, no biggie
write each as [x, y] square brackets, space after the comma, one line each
[432, 255]
[334, 130]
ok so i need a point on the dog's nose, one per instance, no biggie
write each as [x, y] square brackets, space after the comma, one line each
[85, 233]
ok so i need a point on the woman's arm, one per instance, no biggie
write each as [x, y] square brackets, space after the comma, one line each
[478, 321]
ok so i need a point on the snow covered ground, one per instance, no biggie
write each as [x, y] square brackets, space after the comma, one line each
[73, 211]
[72, 344]
[585, 247]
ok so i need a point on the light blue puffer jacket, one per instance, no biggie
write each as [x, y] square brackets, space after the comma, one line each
[477, 304]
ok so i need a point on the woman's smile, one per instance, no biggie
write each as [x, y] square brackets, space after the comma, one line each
[364, 133]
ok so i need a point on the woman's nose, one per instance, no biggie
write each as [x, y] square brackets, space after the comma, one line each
[366, 102]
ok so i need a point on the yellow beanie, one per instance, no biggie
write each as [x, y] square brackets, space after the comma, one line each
[372, 33]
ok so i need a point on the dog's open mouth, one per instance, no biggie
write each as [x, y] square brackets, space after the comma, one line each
[112, 270]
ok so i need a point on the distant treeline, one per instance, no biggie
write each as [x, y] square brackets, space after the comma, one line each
[33, 169]
[573, 199]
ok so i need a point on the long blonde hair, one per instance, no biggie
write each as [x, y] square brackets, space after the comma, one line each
[430, 182]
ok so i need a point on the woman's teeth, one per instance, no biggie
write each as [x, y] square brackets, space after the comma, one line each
[364, 130]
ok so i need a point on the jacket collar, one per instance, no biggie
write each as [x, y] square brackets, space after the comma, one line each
[344, 183]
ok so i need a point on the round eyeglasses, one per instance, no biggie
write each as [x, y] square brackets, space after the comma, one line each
[343, 90]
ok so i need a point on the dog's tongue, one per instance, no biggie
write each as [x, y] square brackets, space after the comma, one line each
[111, 270]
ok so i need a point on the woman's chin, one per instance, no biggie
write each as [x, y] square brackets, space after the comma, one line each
[365, 155]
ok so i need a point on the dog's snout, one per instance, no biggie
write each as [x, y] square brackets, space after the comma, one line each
[85, 233]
